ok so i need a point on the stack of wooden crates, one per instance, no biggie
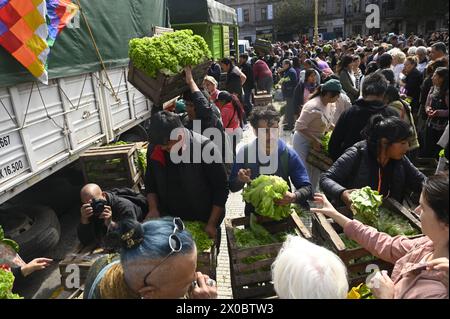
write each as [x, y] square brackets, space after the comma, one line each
[113, 166]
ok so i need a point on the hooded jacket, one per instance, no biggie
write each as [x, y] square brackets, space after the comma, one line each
[349, 126]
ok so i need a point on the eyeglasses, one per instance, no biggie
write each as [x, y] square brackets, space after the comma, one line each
[175, 244]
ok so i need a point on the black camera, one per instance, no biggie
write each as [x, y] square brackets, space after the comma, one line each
[98, 205]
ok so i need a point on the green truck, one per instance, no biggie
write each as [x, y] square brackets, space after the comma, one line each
[215, 22]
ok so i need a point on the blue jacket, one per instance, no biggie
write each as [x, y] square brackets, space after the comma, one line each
[295, 172]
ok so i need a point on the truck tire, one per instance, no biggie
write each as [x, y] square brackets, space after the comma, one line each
[37, 232]
[136, 134]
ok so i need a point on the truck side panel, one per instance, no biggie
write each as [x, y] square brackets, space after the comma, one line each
[44, 128]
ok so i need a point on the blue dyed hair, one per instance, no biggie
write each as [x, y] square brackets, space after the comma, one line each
[155, 244]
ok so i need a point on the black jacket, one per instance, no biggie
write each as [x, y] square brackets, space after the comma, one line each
[234, 84]
[358, 168]
[204, 112]
[122, 208]
[349, 126]
[186, 190]
[413, 83]
[249, 84]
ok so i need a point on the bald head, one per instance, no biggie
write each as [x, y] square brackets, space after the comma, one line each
[89, 192]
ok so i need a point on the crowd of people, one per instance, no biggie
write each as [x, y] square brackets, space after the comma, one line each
[386, 102]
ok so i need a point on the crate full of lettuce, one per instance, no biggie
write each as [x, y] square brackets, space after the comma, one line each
[206, 248]
[254, 242]
[386, 215]
[157, 63]
[252, 248]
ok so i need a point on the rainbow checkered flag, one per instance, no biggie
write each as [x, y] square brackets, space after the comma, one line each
[25, 34]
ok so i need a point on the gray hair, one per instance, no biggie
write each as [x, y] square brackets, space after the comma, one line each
[421, 50]
[412, 51]
[303, 270]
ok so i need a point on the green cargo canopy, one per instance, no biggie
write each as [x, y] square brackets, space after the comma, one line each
[113, 23]
[194, 11]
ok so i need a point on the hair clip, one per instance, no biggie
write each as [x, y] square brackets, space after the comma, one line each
[127, 237]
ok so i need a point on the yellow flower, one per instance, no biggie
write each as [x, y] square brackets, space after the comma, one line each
[354, 293]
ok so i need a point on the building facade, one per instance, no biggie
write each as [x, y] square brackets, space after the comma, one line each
[255, 18]
[337, 18]
[393, 18]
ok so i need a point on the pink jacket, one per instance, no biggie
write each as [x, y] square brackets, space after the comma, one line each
[411, 279]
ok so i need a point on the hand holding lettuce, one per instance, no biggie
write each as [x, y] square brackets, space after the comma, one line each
[264, 192]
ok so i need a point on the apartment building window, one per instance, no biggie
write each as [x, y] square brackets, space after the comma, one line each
[246, 15]
[323, 7]
[264, 14]
[338, 6]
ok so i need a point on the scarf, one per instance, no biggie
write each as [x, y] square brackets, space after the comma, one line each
[113, 285]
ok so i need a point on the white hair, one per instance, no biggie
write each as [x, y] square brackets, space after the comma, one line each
[412, 51]
[398, 55]
[304, 270]
[422, 50]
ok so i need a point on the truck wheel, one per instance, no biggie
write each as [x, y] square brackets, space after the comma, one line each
[35, 228]
[136, 134]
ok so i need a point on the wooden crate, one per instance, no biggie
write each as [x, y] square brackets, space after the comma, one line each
[255, 280]
[263, 99]
[112, 167]
[326, 233]
[207, 262]
[319, 160]
[164, 88]
[263, 46]
[84, 258]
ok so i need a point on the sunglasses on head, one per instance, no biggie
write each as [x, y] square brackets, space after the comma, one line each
[175, 244]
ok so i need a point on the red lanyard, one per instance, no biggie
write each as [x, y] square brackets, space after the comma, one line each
[380, 180]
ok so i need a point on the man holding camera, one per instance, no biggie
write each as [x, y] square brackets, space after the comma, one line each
[101, 211]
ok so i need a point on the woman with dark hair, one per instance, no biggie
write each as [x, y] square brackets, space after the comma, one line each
[385, 64]
[304, 89]
[424, 92]
[315, 120]
[148, 255]
[436, 109]
[347, 77]
[417, 262]
[378, 162]
[233, 114]
[309, 64]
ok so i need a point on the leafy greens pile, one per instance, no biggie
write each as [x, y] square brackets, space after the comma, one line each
[201, 238]
[326, 141]
[366, 205]
[262, 194]
[256, 236]
[8, 242]
[168, 53]
[6, 283]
